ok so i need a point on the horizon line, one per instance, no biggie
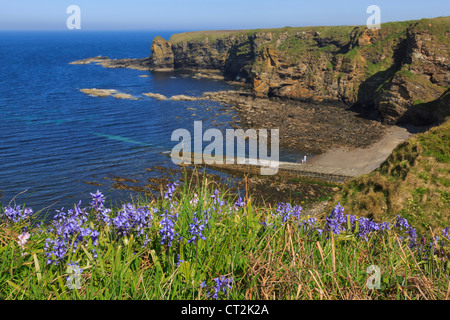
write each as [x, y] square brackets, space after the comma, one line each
[215, 29]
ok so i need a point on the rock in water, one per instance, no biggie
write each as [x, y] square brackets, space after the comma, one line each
[98, 92]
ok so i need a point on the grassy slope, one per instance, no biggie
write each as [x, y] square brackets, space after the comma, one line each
[281, 261]
[414, 182]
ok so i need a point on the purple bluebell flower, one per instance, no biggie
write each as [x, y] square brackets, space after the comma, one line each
[130, 219]
[98, 200]
[215, 196]
[222, 284]
[266, 224]
[146, 241]
[17, 214]
[207, 218]
[240, 203]
[167, 231]
[103, 216]
[446, 233]
[297, 210]
[308, 224]
[55, 250]
[333, 225]
[69, 230]
[179, 261]
[195, 229]
[336, 221]
[171, 189]
[367, 227]
[284, 210]
[403, 225]
[385, 226]
[217, 201]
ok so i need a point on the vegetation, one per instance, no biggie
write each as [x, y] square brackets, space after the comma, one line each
[198, 242]
[414, 181]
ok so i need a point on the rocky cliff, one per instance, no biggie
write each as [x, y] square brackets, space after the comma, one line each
[388, 72]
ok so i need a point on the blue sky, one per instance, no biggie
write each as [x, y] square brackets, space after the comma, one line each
[208, 14]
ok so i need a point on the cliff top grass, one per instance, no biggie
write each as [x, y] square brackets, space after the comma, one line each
[437, 24]
[213, 35]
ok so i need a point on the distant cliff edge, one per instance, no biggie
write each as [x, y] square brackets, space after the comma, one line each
[400, 73]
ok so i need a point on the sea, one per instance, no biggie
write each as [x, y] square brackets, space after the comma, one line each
[58, 145]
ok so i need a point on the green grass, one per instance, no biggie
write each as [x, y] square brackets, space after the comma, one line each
[338, 33]
[413, 181]
[278, 262]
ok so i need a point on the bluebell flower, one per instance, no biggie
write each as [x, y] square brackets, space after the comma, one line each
[222, 284]
[308, 224]
[446, 233]
[179, 261]
[403, 224]
[207, 218]
[131, 219]
[171, 189]
[195, 229]
[69, 230]
[17, 214]
[98, 200]
[217, 201]
[167, 231]
[240, 203]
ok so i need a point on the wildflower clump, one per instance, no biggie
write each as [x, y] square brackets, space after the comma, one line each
[202, 244]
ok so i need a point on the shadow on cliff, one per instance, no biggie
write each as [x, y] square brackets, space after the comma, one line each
[366, 105]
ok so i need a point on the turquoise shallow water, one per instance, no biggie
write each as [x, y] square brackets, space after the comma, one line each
[54, 137]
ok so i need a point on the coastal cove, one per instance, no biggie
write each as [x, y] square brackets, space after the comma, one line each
[211, 167]
[59, 144]
[102, 113]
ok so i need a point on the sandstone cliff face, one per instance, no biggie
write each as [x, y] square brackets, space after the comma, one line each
[161, 58]
[422, 77]
[388, 71]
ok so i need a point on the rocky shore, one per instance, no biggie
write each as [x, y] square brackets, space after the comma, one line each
[138, 64]
[304, 126]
